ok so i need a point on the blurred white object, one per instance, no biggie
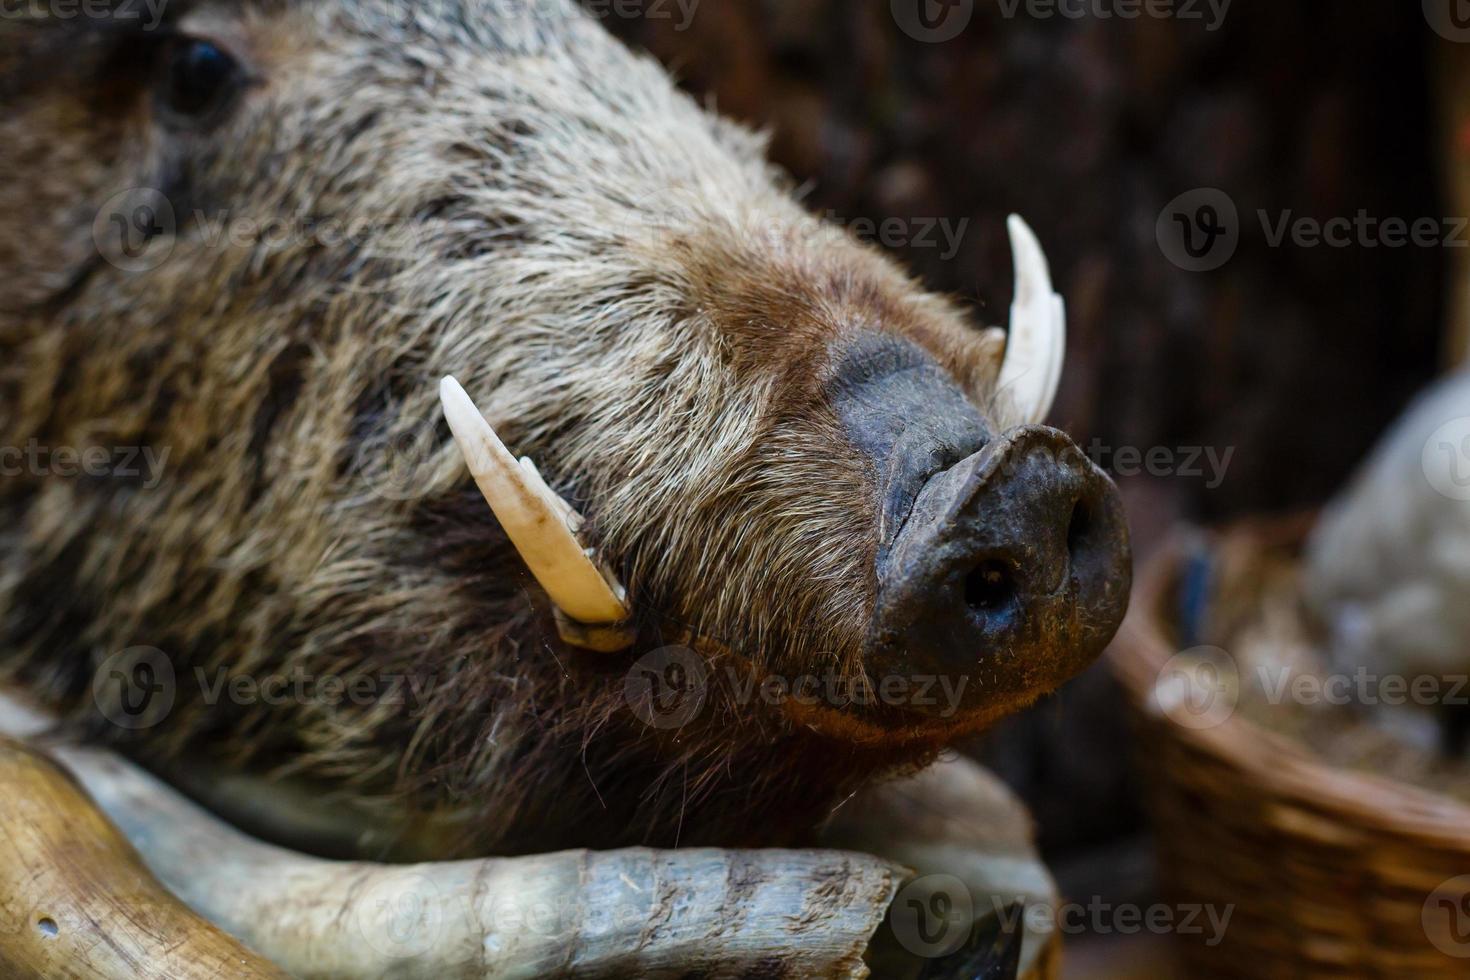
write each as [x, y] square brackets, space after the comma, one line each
[1388, 567]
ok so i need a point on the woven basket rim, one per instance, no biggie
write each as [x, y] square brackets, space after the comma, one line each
[1281, 766]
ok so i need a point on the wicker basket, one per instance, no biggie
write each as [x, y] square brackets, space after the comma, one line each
[1331, 872]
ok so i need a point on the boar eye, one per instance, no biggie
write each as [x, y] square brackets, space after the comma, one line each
[199, 80]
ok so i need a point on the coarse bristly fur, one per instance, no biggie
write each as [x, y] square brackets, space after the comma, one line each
[619, 279]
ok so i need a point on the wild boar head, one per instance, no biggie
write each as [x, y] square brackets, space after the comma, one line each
[254, 236]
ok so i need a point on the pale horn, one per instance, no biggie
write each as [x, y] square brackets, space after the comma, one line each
[77, 901]
[590, 602]
[1037, 345]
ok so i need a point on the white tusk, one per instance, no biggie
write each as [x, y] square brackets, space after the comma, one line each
[542, 526]
[1037, 345]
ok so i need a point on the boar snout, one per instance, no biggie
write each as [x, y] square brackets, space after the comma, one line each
[1012, 569]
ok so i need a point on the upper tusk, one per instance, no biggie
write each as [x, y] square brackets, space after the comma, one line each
[1037, 346]
[542, 526]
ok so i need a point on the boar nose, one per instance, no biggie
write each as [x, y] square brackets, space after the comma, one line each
[1012, 569]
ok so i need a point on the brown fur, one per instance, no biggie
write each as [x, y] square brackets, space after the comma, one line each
[615, 275]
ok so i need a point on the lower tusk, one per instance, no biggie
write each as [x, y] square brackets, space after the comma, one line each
[590, 602]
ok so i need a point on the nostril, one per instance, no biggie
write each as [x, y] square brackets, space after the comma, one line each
[990, 587]
[1079, 529]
